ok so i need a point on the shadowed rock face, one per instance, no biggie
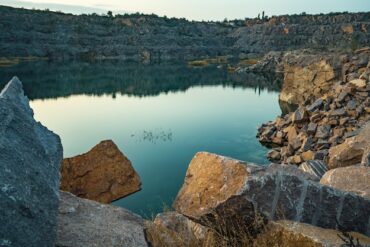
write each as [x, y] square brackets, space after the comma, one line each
[103, 174]
[276, 192]
[150, 38]
[30, 157]
[83, 223]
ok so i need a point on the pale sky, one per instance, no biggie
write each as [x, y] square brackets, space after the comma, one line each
[198, 9]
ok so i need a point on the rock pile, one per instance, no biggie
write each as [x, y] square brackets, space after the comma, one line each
[310, 131]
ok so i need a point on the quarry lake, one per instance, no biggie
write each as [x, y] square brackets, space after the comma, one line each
[160, 116]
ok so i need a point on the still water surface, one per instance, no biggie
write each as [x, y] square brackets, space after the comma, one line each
[159, 116]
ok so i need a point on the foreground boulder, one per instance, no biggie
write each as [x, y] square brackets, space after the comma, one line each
[30, 157]
[83, 223]
[103, 174]
[171, 229]
[218, 187]
[293, 234]
[352, 151]
[354, 179]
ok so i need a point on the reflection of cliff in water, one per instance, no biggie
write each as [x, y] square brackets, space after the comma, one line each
[51, 80]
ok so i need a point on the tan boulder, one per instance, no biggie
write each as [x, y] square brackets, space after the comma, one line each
[103, 174]
[358, 83]
[350, 152]
[308, 155]
[293, 234]
[354, 179]
[209, 181]
[171, 229]
[222, 190]
[302, 81]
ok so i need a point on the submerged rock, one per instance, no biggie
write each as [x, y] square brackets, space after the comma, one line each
[30, 157]
[83, 223]
[354, 179]
[218, 187]
[103, 174]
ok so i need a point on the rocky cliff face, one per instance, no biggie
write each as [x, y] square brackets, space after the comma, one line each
[149, 38]
[320, 32]
[30, 157]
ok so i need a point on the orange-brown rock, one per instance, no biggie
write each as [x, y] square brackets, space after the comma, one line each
[354, 179]
[293, 234]
[210, 180]
[305, 82]
[350, 152]
[103, 174]
[347, 28]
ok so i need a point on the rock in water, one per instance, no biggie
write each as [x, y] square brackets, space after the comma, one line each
[218, 187]
[83, 223]
[354, 179]
[30, 157]
[103, 174]
[352, 151]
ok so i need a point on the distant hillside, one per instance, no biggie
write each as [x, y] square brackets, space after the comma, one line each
[60, 36]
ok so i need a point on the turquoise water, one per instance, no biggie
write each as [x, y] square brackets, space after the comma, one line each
[159, 116]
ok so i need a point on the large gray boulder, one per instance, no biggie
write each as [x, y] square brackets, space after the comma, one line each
[30, 156]
[217, 187]
[82, 222]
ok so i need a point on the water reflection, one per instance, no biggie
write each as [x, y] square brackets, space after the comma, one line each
[158, 115]
[43, 80]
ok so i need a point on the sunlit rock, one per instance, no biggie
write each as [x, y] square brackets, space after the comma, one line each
[354, 179]
[217, 187]
[350, 152]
